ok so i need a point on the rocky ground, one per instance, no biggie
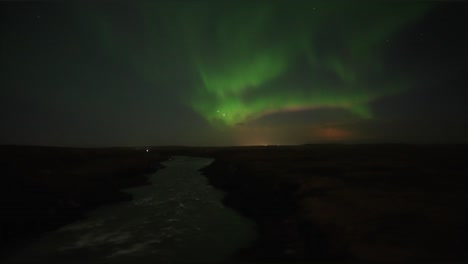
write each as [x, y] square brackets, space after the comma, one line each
[43, 188]
[365, 203]
[312, 203]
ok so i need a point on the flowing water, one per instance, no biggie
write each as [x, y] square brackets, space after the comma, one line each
[179, 218]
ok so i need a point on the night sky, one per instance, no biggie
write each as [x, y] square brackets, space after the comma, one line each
[233, 73]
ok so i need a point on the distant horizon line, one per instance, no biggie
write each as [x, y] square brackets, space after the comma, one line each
[225, 146]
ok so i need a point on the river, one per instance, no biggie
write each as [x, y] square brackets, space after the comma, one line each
[179, 218]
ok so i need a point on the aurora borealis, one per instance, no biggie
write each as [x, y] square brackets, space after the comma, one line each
[252, 71]
[262, 72]
[254, 59]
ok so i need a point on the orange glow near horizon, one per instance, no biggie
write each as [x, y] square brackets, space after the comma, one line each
[334, 134]
[283, 135]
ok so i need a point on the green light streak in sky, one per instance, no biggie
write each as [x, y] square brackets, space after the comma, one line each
[257, 49]
[251, 59]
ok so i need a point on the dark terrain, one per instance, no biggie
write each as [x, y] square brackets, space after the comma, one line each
[364, 203]
[43, 188]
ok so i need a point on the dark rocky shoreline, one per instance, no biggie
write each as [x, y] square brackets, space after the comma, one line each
[320, 203]
[283, 236]
[46, 188]
[348, 203]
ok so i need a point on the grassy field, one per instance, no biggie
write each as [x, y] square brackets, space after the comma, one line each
[366, 203]
[390, 203]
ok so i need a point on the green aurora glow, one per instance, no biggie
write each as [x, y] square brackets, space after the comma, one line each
[249, 60]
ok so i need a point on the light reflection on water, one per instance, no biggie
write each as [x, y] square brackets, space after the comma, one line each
[179, 218]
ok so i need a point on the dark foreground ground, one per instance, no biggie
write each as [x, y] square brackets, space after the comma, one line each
[359, 203]
[43, 188]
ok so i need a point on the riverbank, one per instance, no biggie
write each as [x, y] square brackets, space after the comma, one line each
[365, 203]
[44, 188]
[178, 218]
[274, 206]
